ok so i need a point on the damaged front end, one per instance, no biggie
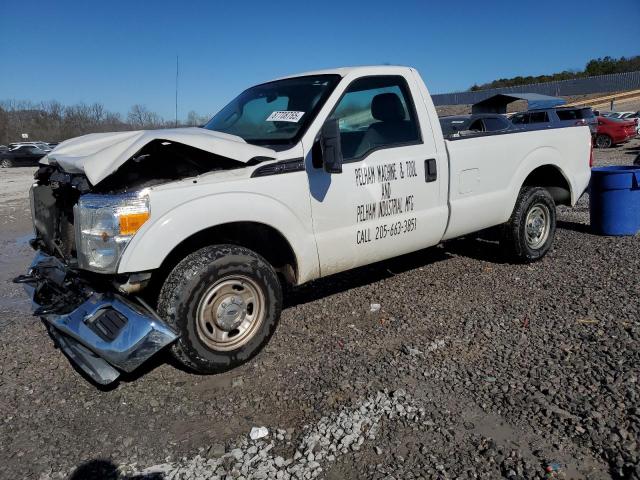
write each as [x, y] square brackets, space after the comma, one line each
[91, 312]
[90, 197]
[103, 333]
[102, 330]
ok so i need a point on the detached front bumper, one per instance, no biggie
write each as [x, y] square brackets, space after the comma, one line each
[102, 333]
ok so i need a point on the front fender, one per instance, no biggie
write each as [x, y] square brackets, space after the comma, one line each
[161, 234]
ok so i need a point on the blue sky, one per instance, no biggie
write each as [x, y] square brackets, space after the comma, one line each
[122, 53]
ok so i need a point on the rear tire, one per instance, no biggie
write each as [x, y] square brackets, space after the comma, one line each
[529, 233]
[225, 303]
[6, 163]
[603, 141]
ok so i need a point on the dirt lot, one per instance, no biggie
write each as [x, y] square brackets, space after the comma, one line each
[472, 368]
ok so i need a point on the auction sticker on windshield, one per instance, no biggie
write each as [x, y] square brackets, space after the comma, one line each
[285, 116]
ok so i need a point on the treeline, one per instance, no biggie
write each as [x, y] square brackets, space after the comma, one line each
[54, 122]
[599, 66]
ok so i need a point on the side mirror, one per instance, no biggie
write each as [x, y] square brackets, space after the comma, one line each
[330, 145]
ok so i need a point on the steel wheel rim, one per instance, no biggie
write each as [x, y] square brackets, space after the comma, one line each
[230, 313]
[537, 226]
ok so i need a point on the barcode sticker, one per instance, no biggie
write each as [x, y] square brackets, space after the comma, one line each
[285, 116]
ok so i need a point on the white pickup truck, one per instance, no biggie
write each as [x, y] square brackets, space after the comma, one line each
[185, 237]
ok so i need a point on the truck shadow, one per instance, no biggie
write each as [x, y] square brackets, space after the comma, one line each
[575, 226]
[106, 470]
[483, 246]
[360, 276]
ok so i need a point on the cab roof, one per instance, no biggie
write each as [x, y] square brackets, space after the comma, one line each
[344, 71]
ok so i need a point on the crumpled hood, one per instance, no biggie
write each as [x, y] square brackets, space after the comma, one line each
[98, 155]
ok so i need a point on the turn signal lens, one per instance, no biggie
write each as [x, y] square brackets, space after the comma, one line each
[130, 223]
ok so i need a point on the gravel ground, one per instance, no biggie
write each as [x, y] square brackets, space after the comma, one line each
[471, 368]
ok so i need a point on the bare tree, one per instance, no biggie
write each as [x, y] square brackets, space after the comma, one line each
[194, 120]
[140, 117]
[53, 121]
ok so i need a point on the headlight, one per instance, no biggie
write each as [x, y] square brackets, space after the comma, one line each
[104, 225]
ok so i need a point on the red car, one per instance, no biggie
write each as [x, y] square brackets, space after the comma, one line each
[612, 131]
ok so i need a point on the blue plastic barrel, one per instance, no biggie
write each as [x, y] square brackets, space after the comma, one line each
[614, 200]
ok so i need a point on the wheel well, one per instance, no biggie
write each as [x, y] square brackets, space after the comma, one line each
[551, 178]
[258, 237]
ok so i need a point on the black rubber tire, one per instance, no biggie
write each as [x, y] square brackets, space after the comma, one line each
[6, 163]
[188, 282]
[513, 241]
[603, 141]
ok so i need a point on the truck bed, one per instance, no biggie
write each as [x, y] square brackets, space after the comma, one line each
[487, 171]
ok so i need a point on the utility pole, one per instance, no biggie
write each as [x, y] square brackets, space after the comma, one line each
[176, 91]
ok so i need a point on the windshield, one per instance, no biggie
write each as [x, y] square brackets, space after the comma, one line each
[274, 112]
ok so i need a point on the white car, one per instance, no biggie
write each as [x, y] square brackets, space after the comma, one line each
[295, 179]
[41, 145]
[616, 114]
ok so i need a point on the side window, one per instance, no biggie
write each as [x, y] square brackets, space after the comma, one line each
[494, 124]
[375, 112]
[539, 117]
[567, 114]
[477, 126]
[520, 119]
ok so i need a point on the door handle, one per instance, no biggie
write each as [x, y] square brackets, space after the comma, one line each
[430, 170]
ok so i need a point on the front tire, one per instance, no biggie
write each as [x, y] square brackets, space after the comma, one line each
[225, 303]
[529, 233]
[6, 163]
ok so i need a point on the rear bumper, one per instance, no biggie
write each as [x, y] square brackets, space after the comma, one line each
[102, 333]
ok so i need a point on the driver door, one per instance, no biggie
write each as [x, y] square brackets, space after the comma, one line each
[382, 204]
